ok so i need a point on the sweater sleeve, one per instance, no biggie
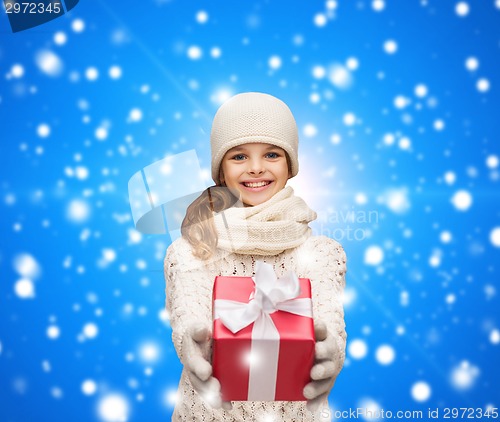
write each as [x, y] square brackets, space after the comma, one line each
[327, 274]
[188, 294]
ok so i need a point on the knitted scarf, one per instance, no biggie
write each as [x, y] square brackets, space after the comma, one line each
[269, 228]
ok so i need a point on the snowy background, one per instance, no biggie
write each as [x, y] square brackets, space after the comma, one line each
[398, 107]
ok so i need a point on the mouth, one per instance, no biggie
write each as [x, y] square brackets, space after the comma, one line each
[256, 186]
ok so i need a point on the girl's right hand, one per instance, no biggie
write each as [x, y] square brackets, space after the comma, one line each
[196, 345]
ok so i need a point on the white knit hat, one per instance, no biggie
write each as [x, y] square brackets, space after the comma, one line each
[253, 117]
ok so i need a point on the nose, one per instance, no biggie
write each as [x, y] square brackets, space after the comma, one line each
[256, 166]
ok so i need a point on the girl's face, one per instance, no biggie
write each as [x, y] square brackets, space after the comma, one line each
[255, 172]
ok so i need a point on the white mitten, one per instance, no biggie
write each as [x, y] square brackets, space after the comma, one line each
[196, 346]
[325, 369]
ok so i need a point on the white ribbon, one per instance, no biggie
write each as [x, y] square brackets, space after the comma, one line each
[270, 295]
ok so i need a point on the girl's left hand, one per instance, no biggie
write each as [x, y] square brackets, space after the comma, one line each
[324, 371]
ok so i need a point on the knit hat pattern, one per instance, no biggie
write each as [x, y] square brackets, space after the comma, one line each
[253, 117]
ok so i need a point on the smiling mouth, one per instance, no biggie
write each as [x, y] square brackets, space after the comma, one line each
[256, 184]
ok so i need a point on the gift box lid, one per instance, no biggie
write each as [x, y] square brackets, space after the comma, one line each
[240, 289]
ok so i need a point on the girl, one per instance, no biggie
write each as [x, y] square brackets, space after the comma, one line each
[251, 215]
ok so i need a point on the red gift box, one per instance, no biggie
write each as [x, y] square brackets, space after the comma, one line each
[256, 363]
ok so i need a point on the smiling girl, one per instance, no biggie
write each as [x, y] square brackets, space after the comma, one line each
[249, 215]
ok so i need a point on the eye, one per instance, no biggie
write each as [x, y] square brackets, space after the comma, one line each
[238, 157]
[272, 155]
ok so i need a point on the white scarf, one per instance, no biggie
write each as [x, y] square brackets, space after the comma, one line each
[269, 228]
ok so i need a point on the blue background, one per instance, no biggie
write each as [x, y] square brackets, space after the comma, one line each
[431, 298]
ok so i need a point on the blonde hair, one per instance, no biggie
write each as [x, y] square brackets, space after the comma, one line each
[198, 226]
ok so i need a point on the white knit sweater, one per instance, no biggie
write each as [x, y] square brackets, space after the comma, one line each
[189, 299]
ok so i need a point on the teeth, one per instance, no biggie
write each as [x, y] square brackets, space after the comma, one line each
[256, 184]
